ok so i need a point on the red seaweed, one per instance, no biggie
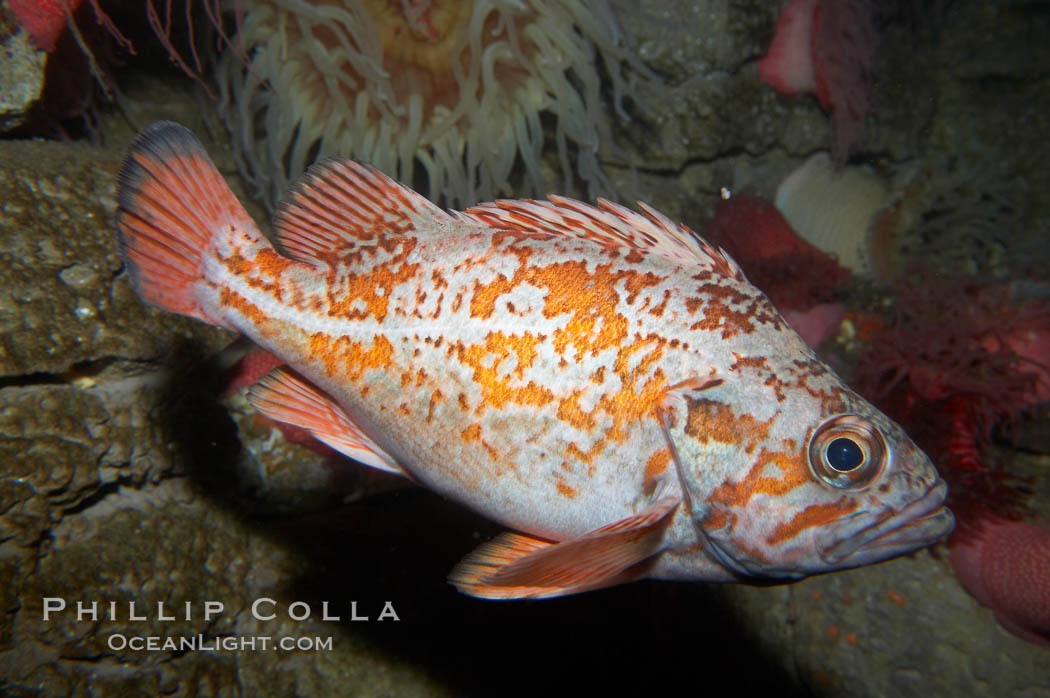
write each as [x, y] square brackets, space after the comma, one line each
[957, 366]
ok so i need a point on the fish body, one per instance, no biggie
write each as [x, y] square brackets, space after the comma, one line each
[601, 380]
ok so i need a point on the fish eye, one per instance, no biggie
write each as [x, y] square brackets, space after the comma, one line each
[847, 452]
[844, 454]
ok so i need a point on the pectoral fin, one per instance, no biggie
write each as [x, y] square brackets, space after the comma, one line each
[285, 397]
[514, 566]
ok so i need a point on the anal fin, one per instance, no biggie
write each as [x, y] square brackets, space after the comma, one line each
[515, 566]
[285, 397]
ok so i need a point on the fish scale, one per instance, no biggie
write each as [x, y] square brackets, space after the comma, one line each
[564, 367]
[602, 381]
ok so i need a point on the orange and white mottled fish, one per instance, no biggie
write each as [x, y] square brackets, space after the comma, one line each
[603, 381]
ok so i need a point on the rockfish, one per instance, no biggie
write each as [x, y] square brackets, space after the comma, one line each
[603, 381]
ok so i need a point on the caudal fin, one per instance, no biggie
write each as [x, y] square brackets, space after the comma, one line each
[171, 203]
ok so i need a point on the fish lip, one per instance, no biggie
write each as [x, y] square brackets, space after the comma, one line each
[918, 524]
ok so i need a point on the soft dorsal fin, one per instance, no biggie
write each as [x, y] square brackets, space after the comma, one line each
[339, 203]
[285, 397]
[514, 566]
[609, 224]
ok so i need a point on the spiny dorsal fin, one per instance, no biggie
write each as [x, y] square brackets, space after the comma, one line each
[285, 397]
[609, 224]
[514, 566]
[338, 204]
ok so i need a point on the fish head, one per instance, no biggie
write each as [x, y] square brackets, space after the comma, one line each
[786, 478]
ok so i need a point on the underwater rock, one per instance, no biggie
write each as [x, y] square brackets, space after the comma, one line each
[115, 469]
[698, 109]
[63, 304]
[904, 628]
[162, 547]
[21, 78]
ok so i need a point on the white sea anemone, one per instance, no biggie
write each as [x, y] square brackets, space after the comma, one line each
[833, 208]
[451, 89]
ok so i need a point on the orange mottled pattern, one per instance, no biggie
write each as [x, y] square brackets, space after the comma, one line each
[550, 356]
[810, 517]
[539, 378]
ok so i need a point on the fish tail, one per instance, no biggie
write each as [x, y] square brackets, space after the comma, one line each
[173, 207]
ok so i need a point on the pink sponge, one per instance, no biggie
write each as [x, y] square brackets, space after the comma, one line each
[43, 19]
[818, 324]
[1006, 566]
[788, 67]
[255, 364]
[826, 47]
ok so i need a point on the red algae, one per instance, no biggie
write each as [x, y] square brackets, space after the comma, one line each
[957, 364]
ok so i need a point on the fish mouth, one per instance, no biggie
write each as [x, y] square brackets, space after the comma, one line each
[920, 523]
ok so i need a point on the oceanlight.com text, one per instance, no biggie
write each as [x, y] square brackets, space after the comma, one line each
[227, 643]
